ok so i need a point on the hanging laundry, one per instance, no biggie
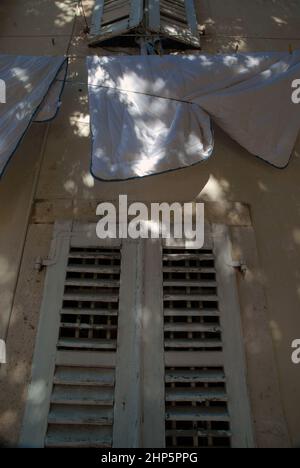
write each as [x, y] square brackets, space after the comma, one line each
[30, 89]
[153, 114]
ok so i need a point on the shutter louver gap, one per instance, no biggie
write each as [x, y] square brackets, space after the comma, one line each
[82, 400]
[195, 384]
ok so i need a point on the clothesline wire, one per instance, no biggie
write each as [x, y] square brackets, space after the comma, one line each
[207, 35]
[124, 91]
[184, 101]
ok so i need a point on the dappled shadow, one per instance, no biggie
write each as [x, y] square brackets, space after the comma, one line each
[230, 22]
[36, 17]
[232, 175]
[144, 121]
[250, 26]
[25, 27]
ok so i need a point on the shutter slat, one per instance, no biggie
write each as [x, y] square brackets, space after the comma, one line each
[192, 327]
[193, 376]
[84, 415]
[190, 297]
[93, 269]
[180, 269]
[78, 437]
[85, 297]
[187, 256]
[197, 433]
[85, 255]
[114, 28]
[83, 359]
[196, 395]
[85, 326]
[172, 9]
[96, 283]
[193, 359]
[191, 312]
[114, 14]
[190, 283]
[189, 344]
[82, 396]
[86, 343]
[84, 311]
[84, 376]
[196, 414]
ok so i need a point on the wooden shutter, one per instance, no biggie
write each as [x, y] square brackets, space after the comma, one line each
[139, 399]
[205, 386]
[71, 396]
[175, 19]
[135, 335]
[113, 18]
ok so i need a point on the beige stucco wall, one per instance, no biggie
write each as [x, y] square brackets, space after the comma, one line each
[51, 170]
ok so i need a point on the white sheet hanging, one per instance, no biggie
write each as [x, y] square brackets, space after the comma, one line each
[151, 114]
[33, 86]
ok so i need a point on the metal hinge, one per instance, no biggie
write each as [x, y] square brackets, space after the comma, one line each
[240, 265]
[42, 263]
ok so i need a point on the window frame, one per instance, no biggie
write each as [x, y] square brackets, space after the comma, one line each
[139, 392]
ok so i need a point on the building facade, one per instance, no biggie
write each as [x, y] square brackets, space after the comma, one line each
[49, 183]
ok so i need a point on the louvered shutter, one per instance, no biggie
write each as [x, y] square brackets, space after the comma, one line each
[71, 396]
[135, 335]
[113, 18]
[175, 19]
[205, 386]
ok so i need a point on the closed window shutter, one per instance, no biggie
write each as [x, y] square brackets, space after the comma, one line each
[135, 335]
[175, 19]
[205, 386]
[71, 397]
[113, 18]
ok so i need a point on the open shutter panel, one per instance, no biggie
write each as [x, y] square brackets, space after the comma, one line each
[113, 18]
[175, 19]
[205, 387]
[71, 396]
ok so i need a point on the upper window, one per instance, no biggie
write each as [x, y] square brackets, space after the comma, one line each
[170, 19]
